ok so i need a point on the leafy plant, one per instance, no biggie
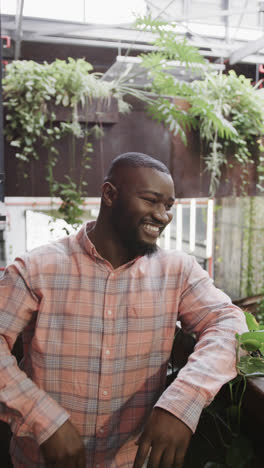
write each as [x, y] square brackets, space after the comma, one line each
[252, 364]
[231, 119]
[223, 439]
[32, 94]
[227, 109]
[238, 451]
[29, 88]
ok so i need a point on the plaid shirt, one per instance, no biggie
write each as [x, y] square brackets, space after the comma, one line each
[97, 342]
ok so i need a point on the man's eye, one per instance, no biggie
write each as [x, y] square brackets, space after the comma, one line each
[151, 200]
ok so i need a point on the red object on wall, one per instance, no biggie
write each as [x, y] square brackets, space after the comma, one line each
[7, 45]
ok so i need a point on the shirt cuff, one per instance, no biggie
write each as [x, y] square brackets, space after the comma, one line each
[45, 418]
[184, 402]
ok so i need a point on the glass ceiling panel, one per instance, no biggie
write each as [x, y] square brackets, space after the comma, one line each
[54, 9]
[229, 20]
[8, 7]
[217, 27]
[86, 11]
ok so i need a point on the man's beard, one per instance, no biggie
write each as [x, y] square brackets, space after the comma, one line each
[137, 246]
[142, 248]
[129, 237]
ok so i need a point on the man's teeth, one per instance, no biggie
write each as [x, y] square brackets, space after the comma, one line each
[151, 228]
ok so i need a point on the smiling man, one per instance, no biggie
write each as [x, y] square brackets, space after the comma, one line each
[137, 202]
[98, 312]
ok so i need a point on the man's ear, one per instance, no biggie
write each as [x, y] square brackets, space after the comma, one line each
[109, 193]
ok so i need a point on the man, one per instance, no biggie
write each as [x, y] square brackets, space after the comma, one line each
[98, 312]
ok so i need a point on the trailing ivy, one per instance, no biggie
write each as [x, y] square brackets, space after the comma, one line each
[32, 94]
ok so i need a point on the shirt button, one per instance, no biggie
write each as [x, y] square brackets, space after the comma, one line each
[105, 392]
[107, 351]
[109, 312]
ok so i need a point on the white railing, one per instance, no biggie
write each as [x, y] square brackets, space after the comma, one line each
[191, 229]
[176, 236]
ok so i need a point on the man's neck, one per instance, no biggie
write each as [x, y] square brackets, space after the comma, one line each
[108, 245]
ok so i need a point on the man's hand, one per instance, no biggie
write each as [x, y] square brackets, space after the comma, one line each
[168, 438]
[64, 449]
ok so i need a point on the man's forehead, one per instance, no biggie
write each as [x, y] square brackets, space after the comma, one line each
[144, 173]
[146, 178]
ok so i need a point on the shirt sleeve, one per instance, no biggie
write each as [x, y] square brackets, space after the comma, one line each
[28, 409]
[210, 314]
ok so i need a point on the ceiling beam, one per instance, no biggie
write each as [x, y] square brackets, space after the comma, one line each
[88, 42]
[250, 48]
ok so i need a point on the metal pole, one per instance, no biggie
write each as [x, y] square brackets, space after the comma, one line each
[227, 23]
[186, 10]
[2, 174]
[19, 17]
[84, 11]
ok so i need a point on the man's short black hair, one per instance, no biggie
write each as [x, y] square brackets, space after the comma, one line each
[135, 160]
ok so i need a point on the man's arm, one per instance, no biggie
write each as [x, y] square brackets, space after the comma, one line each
[209, 313]
[167, 437]
[29, 410]
[65, 448]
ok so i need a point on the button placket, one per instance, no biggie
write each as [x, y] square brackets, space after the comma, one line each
[106, 374]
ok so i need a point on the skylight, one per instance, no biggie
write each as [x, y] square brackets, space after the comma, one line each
[87, 11]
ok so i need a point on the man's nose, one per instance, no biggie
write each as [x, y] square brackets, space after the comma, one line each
[162, 215]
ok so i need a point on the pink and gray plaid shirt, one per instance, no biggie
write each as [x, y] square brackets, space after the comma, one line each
[97, 342]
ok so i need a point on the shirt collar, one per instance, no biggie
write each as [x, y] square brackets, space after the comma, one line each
[86, 243]
[82, 237]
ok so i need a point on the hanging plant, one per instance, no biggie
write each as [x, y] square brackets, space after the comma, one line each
[231, 120]
[227, 109]
[32, 94]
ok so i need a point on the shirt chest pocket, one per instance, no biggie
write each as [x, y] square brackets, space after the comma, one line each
[148, 334]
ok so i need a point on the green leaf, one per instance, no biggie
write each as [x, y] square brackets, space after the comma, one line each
[147, 23]
[225, 127]
[22, 157]
[251, 321]
[251, 366]
[16, 143]
[65, 100]
[252, 340]
[58, 99]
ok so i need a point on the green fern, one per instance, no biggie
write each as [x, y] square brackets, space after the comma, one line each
[147, 23]
[174, 48]
[177, 120]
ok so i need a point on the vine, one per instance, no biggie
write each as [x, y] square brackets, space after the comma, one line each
[32, 94]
